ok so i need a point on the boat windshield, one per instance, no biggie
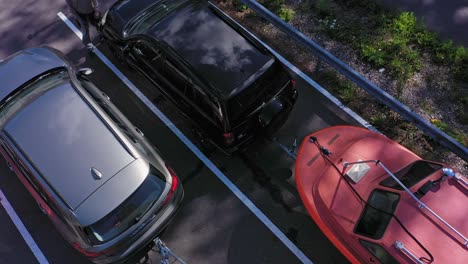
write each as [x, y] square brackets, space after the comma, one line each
[374, 222]
[412, 174]
[379, 252]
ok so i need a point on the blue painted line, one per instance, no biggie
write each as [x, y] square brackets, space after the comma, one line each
[242, 197]
[22, 229]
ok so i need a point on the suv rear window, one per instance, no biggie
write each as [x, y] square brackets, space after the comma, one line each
[373, 222]
[261, 90]
[129, 212]
[412, 174]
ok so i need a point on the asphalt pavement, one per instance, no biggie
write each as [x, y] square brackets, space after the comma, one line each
[212, 225]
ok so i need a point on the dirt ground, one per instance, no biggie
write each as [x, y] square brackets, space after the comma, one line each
[429, 92]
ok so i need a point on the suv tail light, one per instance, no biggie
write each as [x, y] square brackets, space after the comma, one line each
[175, 183]
[293, 83]
[228, 138]
[86, 253]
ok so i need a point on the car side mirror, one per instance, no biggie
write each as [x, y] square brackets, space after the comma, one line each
[85, 71]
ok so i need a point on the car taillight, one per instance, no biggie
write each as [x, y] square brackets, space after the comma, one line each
[175, 182]
[229, 138]
[86, 253]
[293, 83]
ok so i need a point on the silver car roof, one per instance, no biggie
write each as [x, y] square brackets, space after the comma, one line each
[64, 139]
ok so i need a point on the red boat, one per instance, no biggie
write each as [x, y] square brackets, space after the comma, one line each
[376, 201]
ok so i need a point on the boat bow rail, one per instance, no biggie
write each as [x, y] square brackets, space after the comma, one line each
[457, 176]
[421, 205]
[400, 246]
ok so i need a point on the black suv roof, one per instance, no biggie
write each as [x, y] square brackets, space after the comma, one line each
[213, 49]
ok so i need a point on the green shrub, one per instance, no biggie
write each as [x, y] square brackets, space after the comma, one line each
[395, 48]
[442, 51]
[239, 6]
[323, 7]
[273, 5]
[404, 25]
[460, 55]
[286, 14]
[461, 137]
[379, 120]
[347, 92]
[373, 54]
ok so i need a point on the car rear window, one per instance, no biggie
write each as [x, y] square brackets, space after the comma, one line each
[129, 212]
[412, 174]
[257, 93]
[374, 222]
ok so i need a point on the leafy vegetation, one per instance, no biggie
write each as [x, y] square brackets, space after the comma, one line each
[278, 7]
[395, 41]
[323, 7]
[458, 136]
[286, 14]
[239, 6]
[343, 88]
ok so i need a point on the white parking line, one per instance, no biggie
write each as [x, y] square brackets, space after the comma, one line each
[22, 229]
[259, 214]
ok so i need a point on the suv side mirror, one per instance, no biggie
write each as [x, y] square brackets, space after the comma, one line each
[85, 71]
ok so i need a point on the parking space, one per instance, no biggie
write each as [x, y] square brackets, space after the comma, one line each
[212, 225]
[12, 242]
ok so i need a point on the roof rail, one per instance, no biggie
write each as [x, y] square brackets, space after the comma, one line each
[362, 82]
[421, 205]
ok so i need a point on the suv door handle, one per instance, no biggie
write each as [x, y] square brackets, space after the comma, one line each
[139, 131]
[42, 209]
[10, 166]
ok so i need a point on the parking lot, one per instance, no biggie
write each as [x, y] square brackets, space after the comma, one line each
[214, 224]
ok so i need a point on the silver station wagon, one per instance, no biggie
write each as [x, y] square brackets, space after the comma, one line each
[102, 184]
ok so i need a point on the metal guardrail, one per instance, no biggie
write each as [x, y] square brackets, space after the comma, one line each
[362, 82]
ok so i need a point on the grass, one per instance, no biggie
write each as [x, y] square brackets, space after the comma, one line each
[461, 137]
[323, 7]
[239, 6]
[276, 6]
[286, 14]
[344, 89]
[395, 41]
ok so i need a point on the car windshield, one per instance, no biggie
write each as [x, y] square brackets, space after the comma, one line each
[24, 96]
[129, 212]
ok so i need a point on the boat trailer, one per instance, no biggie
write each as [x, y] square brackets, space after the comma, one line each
[166, 253]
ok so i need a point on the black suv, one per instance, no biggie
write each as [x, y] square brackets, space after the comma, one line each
[224, 80]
